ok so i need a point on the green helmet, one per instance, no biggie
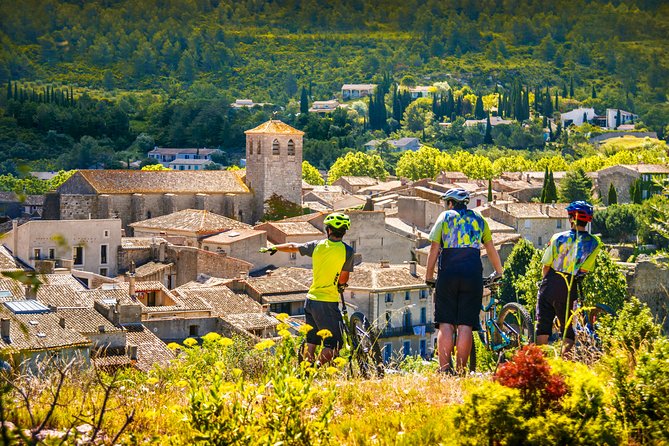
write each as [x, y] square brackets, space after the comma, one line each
[337, 220]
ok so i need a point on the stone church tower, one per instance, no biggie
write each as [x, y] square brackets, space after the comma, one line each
[273, 163]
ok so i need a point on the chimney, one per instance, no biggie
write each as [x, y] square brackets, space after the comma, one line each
[506, 207]
[269, 273]
[4, 327]
[385, 264]
[131, 281]
[132, 352]
[101, 328]
[412, 268]
[31, 292]
[161, 252]
[61, 322]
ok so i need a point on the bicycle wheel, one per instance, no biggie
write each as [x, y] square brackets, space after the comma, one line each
[366, 347]
[515, 322]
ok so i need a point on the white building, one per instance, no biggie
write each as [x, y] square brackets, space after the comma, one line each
[576, 116]
[355, 91]
[88, 245]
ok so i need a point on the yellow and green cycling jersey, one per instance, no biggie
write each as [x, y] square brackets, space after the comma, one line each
[330, 258]
[571, 251]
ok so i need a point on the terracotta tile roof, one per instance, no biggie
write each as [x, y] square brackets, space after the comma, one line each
[7, 261]
[151, 268]
[383, 187]
[150, 349]
[375, 277]
[305, 217]
[191, 220]
[189, 150]
[140, 242]
[294, 228]
[497, 227]
[58, 290]
[533, 210]
[86, 320]
[272, 284]
[283, 298]
[232, 236]
[36, 332]
[502, 238]
[275, 126]
[302, 275]
[648, 168]
[181, 302]
[164, 181]
[221, 299]
[359, 181]
[252, 321]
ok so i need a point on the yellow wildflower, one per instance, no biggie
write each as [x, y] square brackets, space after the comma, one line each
[284, 333]
[339, 362]
[304, 329]
[324, 333]
[282, 326]
[189, 342]
[331, 370]
[226, 342]
[237, 372]
[173, 346]
[151, 381]
[264, 345]
[283, 317]
[211, 337]
[182, 383]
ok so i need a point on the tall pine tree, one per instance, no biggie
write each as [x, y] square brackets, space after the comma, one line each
[487, 138]
[613, 195]
[304, 101]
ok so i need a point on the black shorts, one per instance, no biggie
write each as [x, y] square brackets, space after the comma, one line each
[459, 290]
[552, 302]
[324, 315]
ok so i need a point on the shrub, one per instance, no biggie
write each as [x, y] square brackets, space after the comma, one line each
[529, 372]
[515, 267]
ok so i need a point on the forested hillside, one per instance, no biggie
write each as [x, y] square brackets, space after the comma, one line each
[96, 83]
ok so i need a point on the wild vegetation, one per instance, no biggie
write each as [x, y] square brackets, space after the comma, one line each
[225, 391]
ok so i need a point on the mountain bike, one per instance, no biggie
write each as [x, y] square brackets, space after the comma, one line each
[361, 345]
[503, 325]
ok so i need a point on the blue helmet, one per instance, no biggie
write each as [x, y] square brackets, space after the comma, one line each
[581, 210]
[456, 194]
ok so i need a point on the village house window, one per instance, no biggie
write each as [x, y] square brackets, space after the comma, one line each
[407, 295]
[539, 241]
[37, 254]
[258, 148]
[291, 148]
[559, 223]
[389, 316]
[407, 320]
[423, 316]
[78, 255]
[193, 330]
[151, 299]
[389, 298]
[275, 147]
[206, 248]
[407, 348]
[52, 253]
[293, 256]
[103, 271]
[105, 233]
[423, 294]
[103, 254]
[528, 224]
[423, 348]
[387, 352]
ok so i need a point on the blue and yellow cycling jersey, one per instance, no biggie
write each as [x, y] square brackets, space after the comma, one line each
[329, 259]
[571, 251]
[460, 229]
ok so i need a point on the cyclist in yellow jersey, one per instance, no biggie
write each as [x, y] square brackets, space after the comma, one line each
[332, 262]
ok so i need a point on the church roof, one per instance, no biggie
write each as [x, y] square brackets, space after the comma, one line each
[275, 127]
[164, 181]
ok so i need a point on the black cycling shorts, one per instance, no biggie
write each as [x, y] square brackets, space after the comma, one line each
[552, 302]
[459, 290]
[324, 315]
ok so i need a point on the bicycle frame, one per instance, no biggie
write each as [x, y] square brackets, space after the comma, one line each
[491, 325]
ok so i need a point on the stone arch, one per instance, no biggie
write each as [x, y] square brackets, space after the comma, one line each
[258, 151]
[291, 148]
[275, 147]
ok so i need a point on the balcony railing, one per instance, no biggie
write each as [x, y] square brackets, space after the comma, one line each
[409, 330]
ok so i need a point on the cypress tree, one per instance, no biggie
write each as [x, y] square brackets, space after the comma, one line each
[9, 90]
[550, 132]
[594, 92]
[618, 118]
[16, 91]
[544, 122]
[564, 90]
[489, 189]
[478, 109]
[304, 101]
[537, 95]
[543, 187]
[613, 195]
[558, 130]
[571, 87]
[450, 104]
[487, 139]
[458, 106]
[585, 118]
[557, 104]
[638, 189]
[551, 189]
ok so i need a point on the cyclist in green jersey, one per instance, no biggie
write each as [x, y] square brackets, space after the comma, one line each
[332, 261]
[568, 257]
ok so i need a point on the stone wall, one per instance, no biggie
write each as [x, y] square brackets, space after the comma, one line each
[621, 179]
[374, 243]
[190, 262]
[178, 329]
[650, 284]
[78, 207]
[419, 212]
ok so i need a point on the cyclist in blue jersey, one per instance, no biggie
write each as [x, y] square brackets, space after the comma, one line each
[567, 258]
[457, 238]
[332, 262]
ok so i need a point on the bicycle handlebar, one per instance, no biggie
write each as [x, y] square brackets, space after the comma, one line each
[491, 280]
